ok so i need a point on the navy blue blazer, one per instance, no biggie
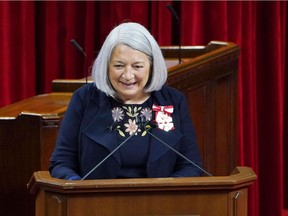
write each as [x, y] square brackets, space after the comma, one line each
[84, 139]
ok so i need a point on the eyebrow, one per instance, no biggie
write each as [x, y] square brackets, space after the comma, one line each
[120, 61]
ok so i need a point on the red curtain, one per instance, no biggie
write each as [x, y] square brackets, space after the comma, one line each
[35, 49]
[17, 55]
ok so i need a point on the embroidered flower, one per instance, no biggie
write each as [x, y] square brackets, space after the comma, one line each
[147, 112]
[117, 114]
[131, 127]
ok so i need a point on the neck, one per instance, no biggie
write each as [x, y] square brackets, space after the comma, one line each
[139, 100]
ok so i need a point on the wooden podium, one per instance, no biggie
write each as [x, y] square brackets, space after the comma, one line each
[201, 196]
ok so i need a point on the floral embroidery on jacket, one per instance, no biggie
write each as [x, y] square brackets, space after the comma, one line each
[129, 126]
[132, 127]
[117, 114]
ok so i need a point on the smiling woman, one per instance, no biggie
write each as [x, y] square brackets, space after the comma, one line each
[129, 84]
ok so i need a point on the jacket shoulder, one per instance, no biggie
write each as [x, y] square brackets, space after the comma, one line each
[90, 92]
[85, 89]
[168, 93]
[173, 91]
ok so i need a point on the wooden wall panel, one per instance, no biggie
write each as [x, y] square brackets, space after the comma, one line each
[28, 130]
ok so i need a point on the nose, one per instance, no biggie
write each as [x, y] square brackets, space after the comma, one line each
[128, 73]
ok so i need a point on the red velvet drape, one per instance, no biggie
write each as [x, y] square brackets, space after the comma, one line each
[17, 51]
[35, 49]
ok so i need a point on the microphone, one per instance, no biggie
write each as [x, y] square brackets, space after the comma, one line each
[153, 124]
[171, 9]
[80, 49]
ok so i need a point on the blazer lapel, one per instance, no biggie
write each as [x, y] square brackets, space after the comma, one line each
[159, 140]
[98, 129]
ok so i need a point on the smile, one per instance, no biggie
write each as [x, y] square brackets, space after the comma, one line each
[128, 85]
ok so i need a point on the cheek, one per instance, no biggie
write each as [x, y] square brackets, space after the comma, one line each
[112, 74]
[146, 76]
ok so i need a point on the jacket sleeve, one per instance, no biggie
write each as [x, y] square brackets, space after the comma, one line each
[188, 145]
[64, 160]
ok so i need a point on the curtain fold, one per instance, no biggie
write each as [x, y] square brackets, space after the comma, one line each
[248, 95]
[270, 97]
[35, 49]
[17, 56]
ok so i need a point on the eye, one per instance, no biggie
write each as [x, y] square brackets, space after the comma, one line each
[138, 67]
[118, 66]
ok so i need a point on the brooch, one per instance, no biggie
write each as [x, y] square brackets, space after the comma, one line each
[163, 117]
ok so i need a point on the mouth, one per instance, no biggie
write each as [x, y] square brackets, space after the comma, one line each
[128, 85]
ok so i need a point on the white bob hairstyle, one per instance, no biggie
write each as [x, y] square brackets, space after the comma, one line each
[137, 37]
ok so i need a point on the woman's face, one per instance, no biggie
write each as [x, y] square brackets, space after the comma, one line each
[128, 73]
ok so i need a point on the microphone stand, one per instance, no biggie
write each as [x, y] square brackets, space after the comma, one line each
[102, 161]
[178, 153]
[173, 12]
[141, 123]
[80, 49]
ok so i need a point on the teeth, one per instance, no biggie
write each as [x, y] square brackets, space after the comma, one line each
[128, 84]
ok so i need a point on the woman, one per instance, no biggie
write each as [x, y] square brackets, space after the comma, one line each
[129, 75]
